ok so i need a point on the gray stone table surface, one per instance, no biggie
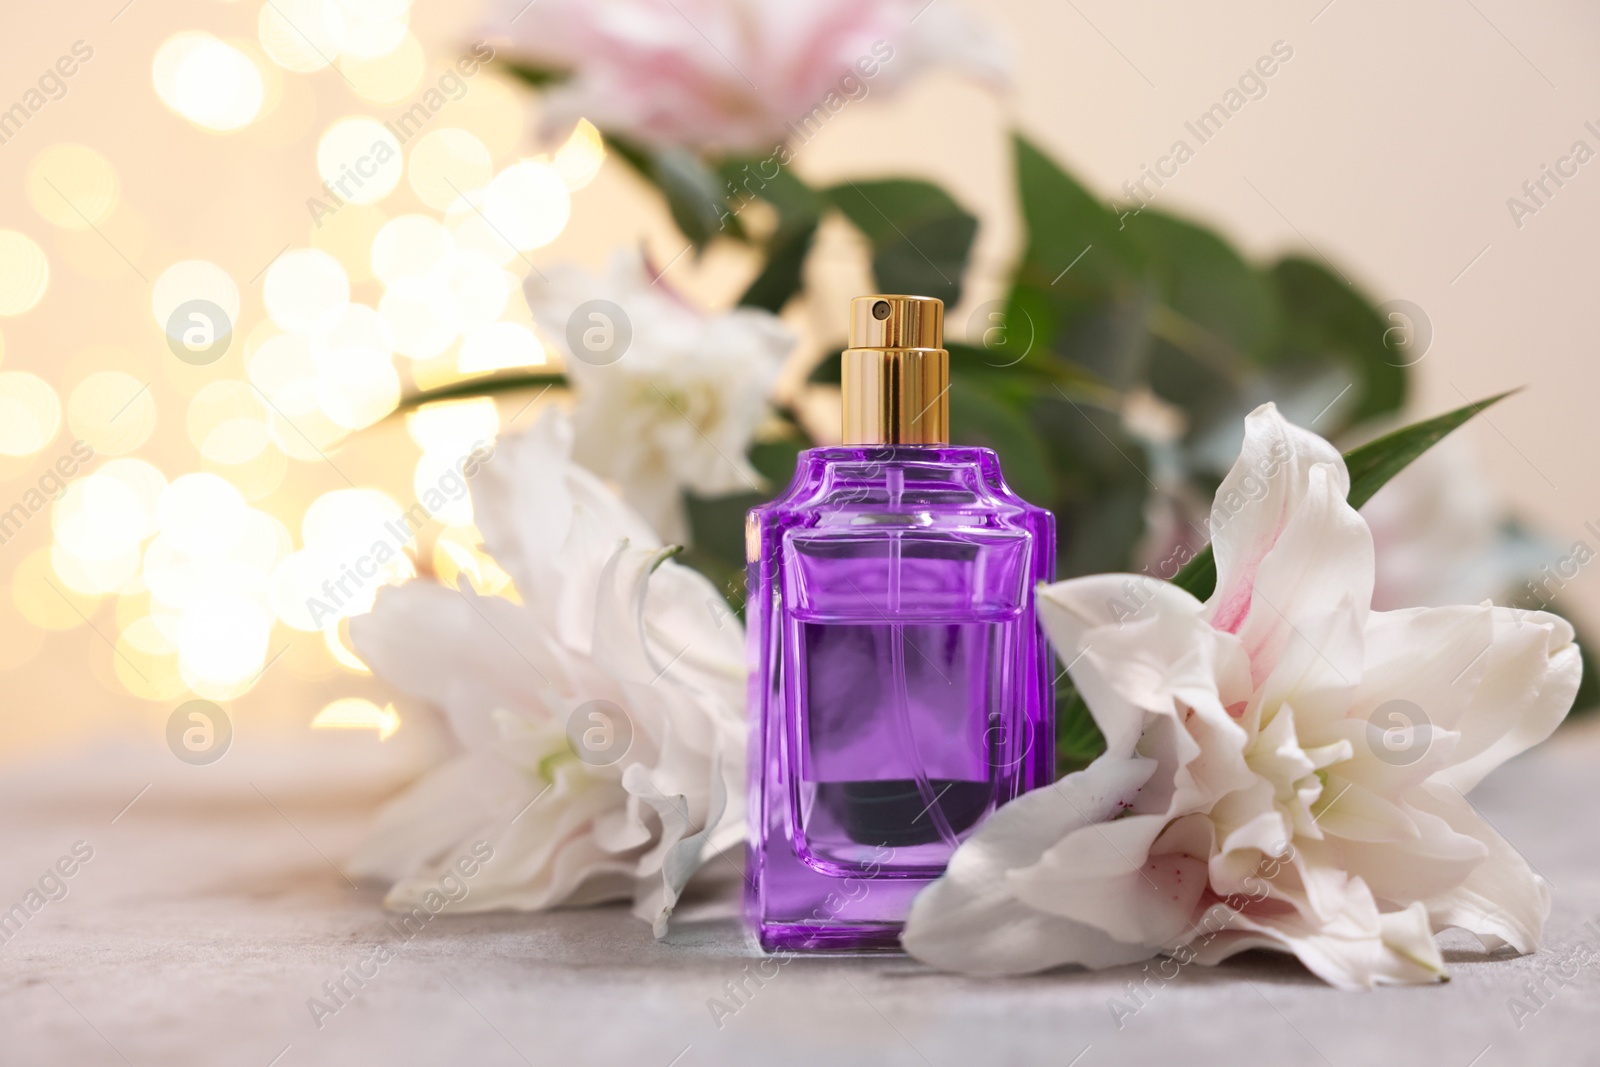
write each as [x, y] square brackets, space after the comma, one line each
[212, 910]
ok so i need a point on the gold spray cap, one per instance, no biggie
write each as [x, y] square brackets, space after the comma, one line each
[896, 372]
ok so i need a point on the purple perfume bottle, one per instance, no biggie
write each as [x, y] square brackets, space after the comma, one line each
[900, 687]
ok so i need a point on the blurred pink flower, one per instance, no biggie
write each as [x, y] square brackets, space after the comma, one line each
[735, 75]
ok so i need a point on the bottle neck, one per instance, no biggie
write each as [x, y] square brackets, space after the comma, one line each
[896, 396]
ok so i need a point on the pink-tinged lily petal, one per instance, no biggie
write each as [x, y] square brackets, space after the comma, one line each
[1256, 501]
[1310, 600]
[971, 920]
[735, 76]
[1109, 875]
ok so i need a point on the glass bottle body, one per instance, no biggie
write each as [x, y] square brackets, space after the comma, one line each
[900, 688]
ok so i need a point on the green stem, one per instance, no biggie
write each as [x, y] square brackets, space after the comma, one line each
[479, 387]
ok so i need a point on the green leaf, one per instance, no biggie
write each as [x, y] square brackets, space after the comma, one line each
[695, 195]
[1078, 739]
[1587, 699]
[979, 418]
[533, 74]
[1225, 303]
[716, 524]
[1102, 482]
[1374, 463]
[1326, 318]
[1074, 241]
[799, 209]
[1371, 466]
[920, 237]
[830, 370]
[782, 276]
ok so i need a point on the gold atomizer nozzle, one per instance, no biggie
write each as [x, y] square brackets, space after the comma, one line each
[896, 372]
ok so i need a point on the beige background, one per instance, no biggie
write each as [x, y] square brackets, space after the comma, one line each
[1390, 143]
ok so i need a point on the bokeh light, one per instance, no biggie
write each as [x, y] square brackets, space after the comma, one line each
[454, 426]
[24, 273]
[201, 514]
[72, 186]
[579, 160]
[374, 29]
[347, 236]
[207, 81]
[356, 383]
[305, 290]
[284, 370]
[96, 576]
[481, 289]
[360, 160]
[424, 316]
[30, 413]
[389, 78]
[227, 422]
[198, 568]
[256, 477]
[446, 164]
[102, 518]
[497, 346]
[358, 713]
[525, 207]
[355, 541]
[336, 639]
[193, 279]
[113, 412]
[222, 644]
[301, 35]
[141, 476]
[494, 112]
[411, 246]
[448, 433]
[43, 599]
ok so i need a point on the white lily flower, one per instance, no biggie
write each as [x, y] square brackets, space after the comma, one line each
[1285, 768]
[669, 396]
[600, 716]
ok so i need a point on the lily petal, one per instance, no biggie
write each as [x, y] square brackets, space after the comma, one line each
[1503, 901]
[1358, 949]
[1256, 501]
[971, 920]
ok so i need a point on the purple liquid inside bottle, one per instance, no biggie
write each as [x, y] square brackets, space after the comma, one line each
[900, 689]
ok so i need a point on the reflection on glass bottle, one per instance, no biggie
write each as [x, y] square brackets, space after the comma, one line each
[899, 686]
